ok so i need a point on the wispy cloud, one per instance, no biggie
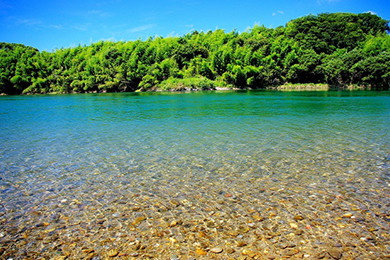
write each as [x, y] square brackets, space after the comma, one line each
[278, 13]
[141, 28]
[81, 27]
[32, 23]
[27, 22]
[55, 26]
[327, 1]
[95, 13]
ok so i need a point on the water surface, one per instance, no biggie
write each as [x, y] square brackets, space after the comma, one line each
[95, 172]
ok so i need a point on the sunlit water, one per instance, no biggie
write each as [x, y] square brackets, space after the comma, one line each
[67, 161]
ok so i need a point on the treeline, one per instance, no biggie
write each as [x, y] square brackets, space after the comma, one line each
[338, 49]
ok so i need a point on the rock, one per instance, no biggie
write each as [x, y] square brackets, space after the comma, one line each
[298, 217]
[230, 250]
[257, 217]
[299, 232]
[293, 225]
[216, 250]
[174, 257]
[202, 234]
[228, 195]
[335, 253]
[60, 257]
[112, 253]
[174, 203]
[248, 252]
[347, 215]
[173, 223]
[138, 220]
[240, 243]
[290, 252]
[200, 251]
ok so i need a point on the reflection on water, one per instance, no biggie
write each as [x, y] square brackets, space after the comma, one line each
[165, 175]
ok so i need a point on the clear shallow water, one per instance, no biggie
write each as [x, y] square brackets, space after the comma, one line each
[69, 162]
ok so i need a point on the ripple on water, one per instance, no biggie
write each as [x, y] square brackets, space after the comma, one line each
[184, 176]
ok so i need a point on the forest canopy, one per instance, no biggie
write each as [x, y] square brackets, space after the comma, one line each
[339, 49]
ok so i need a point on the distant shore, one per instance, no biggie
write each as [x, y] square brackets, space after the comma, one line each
[183, 88]
[284, 87]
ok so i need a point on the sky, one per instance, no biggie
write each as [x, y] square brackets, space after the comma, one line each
[54, 24]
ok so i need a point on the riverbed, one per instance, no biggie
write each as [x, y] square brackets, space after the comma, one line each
[203, 175]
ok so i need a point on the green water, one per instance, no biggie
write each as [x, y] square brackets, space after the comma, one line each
[104, 149]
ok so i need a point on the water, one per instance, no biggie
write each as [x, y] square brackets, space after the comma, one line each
[91, 165]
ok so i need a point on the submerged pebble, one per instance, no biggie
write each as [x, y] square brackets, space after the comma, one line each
[216, 250]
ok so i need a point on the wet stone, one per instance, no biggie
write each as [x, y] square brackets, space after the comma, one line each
[112, 253]
[201, 251]
[216, 250]
[335, 253]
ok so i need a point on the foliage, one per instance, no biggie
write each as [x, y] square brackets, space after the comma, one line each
[339, 49]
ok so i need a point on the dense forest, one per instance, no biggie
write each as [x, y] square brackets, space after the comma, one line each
[339, 49]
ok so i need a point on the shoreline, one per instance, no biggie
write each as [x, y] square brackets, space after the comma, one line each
[284, 87]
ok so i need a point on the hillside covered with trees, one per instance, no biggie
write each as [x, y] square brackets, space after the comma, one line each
[338, 49]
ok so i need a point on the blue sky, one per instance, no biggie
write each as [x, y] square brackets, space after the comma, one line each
[50, 24]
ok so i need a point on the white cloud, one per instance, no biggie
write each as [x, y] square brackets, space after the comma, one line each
[141, 28]
[28, 22]
[278, 13]
[81, 27]
[99, 13]
[327, 1]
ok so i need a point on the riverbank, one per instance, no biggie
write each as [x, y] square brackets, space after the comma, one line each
[202, 84]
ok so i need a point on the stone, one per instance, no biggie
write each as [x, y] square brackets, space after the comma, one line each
[248, 252]
[200, 251]
[335, 253]
[347, 215]
[216, 250]
[112, 253]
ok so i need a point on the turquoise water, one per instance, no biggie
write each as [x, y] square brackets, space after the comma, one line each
[103, 151]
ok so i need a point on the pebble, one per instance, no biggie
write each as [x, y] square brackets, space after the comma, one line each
[138, 220]
[248, 252]
[216, 250]
[200, 251]
[230, 250]
[298, 217]
[112, 253]
[240, 243]
[335, 253]
[293, 225]
[257, 217]
[173, 223]
[347, 215]
[290, 252]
